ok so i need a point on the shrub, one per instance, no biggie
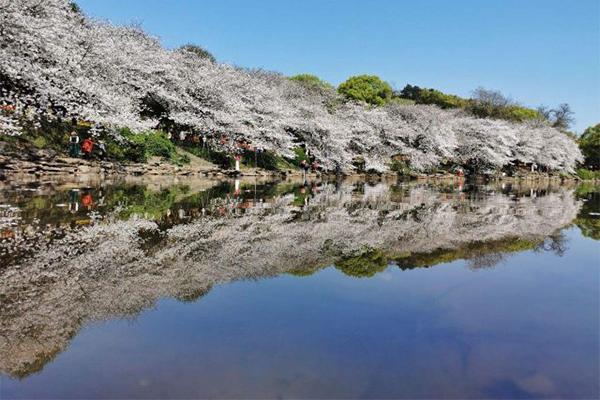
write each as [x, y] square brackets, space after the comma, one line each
[150, 144]
[519, 113]
[157, 144]
[115, 151]
[40, 142]
[368, 88]
[135, 152]
[312, 82]
[511, 112]
[442, 100]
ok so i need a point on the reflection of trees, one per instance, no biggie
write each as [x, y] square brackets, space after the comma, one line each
[479, 254]
[588, 219]
[192, 294]
[556, 243]
[365, 264]
[120, 267]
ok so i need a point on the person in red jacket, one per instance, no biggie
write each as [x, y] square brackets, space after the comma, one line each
[86, 147]
[87, 200]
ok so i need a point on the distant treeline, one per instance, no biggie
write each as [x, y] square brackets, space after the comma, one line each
[483, 103]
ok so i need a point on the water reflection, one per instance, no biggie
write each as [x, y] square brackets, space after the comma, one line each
[77, 255]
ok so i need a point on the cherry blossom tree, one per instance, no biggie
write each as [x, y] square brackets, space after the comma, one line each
[56, 62]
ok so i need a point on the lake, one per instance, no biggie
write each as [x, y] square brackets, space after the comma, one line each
[323, 289]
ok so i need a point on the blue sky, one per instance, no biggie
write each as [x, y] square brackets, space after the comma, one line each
[537, 52]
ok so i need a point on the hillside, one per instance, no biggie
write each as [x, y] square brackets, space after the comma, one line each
[57, 63]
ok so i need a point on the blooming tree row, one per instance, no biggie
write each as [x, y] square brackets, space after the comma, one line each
[58, 63]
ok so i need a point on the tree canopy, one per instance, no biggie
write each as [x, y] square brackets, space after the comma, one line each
[590, 146]
[368, 88]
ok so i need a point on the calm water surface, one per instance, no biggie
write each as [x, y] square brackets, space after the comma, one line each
[319, 290]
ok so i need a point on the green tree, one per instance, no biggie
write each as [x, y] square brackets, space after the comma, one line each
[311, 82]
[199, 51]
[410, 92]
[368, 88]
[589, 143]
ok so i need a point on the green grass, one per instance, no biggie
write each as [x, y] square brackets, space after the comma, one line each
[144, 145]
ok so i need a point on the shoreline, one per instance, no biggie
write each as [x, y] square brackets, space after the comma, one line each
[38, 166]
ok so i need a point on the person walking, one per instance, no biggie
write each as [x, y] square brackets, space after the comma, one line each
[74, 144]
[305, 166]
[87, 200]
[87, 146]
[74, 201]
[102, 152]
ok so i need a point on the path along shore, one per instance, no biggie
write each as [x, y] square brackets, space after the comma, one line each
[36, 165]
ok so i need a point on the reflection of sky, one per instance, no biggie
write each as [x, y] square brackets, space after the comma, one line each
[528, 327]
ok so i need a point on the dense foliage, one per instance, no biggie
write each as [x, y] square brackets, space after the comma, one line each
[59, 64]
[368, 88]
[312, 82]
[590, 146]
[144, 145]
